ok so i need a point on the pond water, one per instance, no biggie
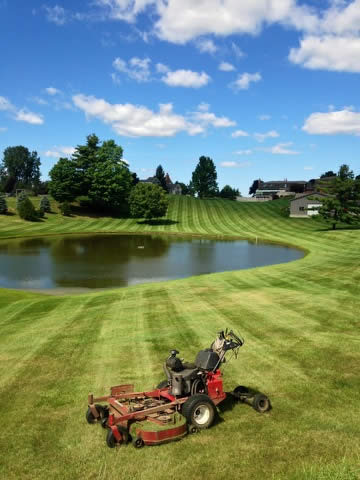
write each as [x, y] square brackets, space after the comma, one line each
[76, 263]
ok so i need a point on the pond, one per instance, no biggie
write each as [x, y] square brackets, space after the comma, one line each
[81, 262]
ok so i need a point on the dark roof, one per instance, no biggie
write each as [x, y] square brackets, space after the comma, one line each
[312, 194]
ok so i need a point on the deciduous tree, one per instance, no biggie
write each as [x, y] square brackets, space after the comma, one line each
[229, 193]
[19, 168]
[63, 185]
[204, 178]
[148, 201]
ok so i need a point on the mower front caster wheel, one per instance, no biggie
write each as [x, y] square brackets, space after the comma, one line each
[138, 442]
[261, 403]
[102, 411]
[199, 411]
[111, 441]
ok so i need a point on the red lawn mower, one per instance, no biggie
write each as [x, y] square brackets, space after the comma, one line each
[185, 402]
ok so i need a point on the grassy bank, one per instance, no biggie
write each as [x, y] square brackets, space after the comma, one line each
[301, 326]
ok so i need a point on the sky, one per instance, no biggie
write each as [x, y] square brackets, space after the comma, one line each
[266, 88]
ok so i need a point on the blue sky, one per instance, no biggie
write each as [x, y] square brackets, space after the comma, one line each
[266, 88]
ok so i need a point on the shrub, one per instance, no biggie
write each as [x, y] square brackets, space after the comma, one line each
[65, 208]
[26, 210]
[45, 204]
[84, 201]
[41, 212]
[3, 204]
[20, 198]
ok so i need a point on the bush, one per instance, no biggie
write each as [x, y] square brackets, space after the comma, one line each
[45, 204]
[26, 210]
[20, 198]
[41, 212]
[148, 201]
[65, 208]
[3, 204]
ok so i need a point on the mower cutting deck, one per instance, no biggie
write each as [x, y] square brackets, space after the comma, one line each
[183, 403]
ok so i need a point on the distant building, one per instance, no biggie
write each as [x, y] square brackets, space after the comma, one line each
[305, 206]
[172, 188]
[280, 188]
[153, 180]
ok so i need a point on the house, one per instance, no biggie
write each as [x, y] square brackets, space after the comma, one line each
[305, 206]
[172, 188]
[279, 188]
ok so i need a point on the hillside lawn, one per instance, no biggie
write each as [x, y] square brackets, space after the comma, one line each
[301, 325]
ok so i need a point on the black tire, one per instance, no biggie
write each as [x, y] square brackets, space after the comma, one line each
[199, 411]
[163, 384]
[241, 393]
[111, 441]
[261, 403]
[138, 442]
[102, 411]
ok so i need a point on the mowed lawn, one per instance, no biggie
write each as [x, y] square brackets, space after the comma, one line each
[301, 325]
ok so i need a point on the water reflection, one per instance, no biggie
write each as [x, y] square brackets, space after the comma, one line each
[103, 261]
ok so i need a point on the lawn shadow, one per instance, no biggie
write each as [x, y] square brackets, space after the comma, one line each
[157, 222]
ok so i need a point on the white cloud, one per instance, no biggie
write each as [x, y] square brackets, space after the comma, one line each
[20, 115]
[139, 121]
[308, 168]
[186, 78]
[137, 68]
[3, 129]
[328, 52]
[243, 81]
[239, 133]
[161, 68]
[56, 14]
[226, 67]
[39, 100]
[203, 107]
[346, 122]
[60, 152]
[29, 117]
[237, 50]
[244, 152]
[206, 46]
[124, 9]
[52, 91]
[235, 164]
[282, 149]
[264, 117]
[260, 137]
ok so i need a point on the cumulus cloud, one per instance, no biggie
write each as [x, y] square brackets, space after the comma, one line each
[52, 91]
[260, 137]
[328, 52]
[239, 133]
[226, 67]
[206, 46]
[124, 9]
[244, 80]
[139, 121]
[20, 114]
[186, 78]
[235, 164]
[282, 149]
[346, 122]
[138, 69]
[58, 152]
[244, 152]
[56, 14]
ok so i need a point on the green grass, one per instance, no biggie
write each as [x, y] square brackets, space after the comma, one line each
[301, 325]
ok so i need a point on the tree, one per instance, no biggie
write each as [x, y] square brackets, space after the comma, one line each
[3, 204]
[65, 208]
[19, 168]
[85, 157]
[329, 173]
[45, 204]
[204, 178]
[148, 201]
[160, 175]
[229, 193]
[63, 185]
[343, 203]
[26, 209]
[254, 187]
[111, 180]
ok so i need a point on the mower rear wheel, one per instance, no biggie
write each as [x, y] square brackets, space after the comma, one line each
[163, 384]
[138, 442]
[111, 440]
[102, 411]
[199, 411]
[261, 403]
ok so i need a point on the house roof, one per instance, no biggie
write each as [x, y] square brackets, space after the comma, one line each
[312, 194]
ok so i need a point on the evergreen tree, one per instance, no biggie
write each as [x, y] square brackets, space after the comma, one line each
[84, 158]
[26, 209]
[20, 198]
[45, 204]
[229, 193]
[254, 187]
[3, 204]
[204, 178]
[160, 175]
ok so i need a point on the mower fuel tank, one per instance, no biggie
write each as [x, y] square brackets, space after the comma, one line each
[207, 360]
